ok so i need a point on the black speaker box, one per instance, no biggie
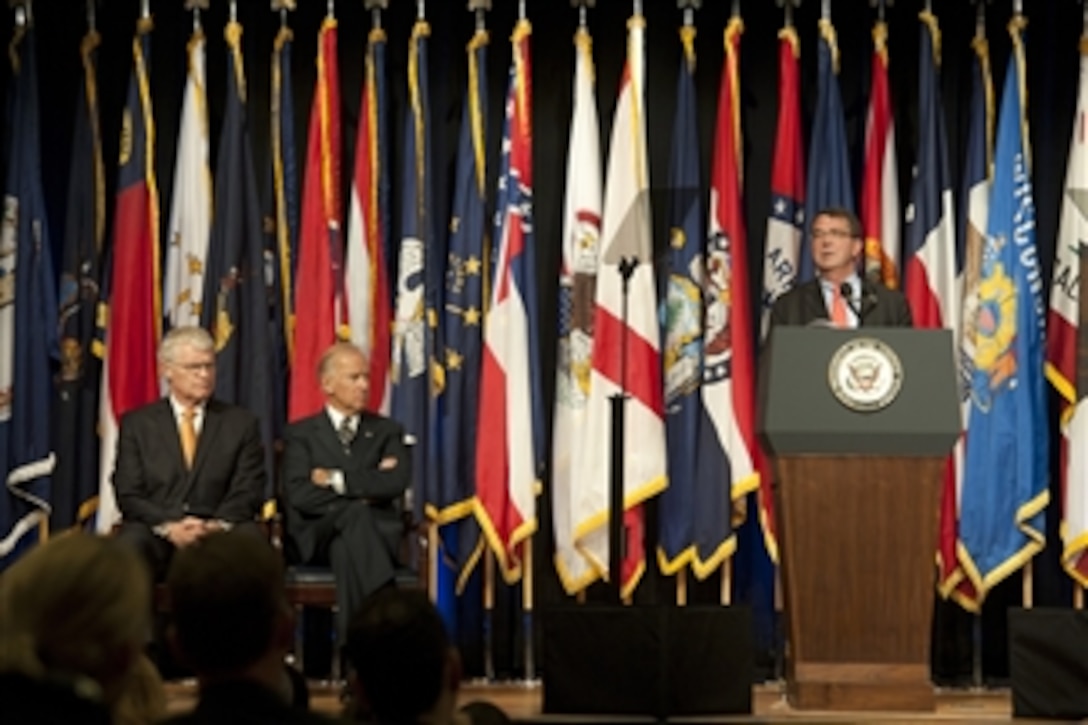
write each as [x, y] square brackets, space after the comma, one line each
[655, 661]
[1048, 662]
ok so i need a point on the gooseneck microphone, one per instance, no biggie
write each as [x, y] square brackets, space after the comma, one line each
[847, 292]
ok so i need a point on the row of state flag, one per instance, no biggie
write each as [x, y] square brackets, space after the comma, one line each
[453, 336]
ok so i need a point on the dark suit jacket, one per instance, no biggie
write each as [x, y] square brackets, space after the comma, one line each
[227, 479]
[312, 511]
[880, 306]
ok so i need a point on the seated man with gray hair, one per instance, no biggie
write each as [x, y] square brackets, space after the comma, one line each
[187, 465]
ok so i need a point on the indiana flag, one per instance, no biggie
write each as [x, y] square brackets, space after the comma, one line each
[462, 319]
[366, 285]
[1005, 473]
[75, 493]
[786, 220]
[728, 458]
[133, 319]
[682, 328]
[828, 183]
[28, 318]
[508, 460]
[236, 296]
[191, 208]
[932, 284]
[625, 346]
[973, 216]
[319, 298]
[577, 285]
[880, 183]
[1067, 338]
[415, 378]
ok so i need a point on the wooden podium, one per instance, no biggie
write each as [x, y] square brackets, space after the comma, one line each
[859, 471]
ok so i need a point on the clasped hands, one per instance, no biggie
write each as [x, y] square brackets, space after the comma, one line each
[189, 530]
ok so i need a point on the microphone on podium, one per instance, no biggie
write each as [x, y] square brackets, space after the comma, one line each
[847, 292]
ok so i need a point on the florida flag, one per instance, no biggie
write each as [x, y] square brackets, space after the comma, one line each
[507, 458]
[632, 348]
[880, 183]
[1067, 338]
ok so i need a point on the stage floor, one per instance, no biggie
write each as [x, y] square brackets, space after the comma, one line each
[523, 703]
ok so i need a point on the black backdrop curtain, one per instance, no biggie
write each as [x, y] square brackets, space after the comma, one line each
[1052, 76]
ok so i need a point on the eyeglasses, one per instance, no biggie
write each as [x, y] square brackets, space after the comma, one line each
[818, 234]
[195, 367]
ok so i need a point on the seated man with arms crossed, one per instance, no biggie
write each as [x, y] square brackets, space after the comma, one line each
[345, 471]
[186, 464]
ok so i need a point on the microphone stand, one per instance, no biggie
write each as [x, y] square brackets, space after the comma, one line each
[616, 540]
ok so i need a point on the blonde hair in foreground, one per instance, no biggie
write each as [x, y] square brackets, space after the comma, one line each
[77, 605]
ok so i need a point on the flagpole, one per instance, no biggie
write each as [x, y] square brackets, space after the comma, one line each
[825, 9]
[489, 615]
[92, 16]
[145, 9]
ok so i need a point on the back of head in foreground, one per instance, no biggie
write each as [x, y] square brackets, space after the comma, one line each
[231, 619]
[405, 669]
[77, 608]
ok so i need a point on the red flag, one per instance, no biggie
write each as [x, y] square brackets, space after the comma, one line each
[366, 284]
[319, 299]
[130, 378]
[880, 191]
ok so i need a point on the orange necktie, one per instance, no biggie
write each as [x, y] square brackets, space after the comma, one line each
[838, 308]
[188, 436]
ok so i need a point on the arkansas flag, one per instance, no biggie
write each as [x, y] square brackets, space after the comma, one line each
[880, 184]
[133, 319]
[786, 220]
[508, 456]
[1067, 338]
[370, 313]
[620, 345]
[319, 298]
[577, 282]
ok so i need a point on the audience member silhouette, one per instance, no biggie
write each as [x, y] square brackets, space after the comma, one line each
[74, 616]
[405, 671]
[232, 624]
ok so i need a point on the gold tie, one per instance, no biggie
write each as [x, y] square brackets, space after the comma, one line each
[838, 308]
[188, 436]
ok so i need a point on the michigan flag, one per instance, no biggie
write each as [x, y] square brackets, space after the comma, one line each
[133, 319]
[577, 283]
[1005, 473]
[1067, 337]
[828, 183]
[508, 461]
[28, 315]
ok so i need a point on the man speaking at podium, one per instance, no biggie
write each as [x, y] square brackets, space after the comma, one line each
[838, 296]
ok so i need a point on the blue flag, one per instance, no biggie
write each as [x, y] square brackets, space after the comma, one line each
[1005, 490]
[828, 183]
[281, 228]
[28, 321]
[462, 323]
[75, 494]
[235, 293]
[414, 373]
[682, 327]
